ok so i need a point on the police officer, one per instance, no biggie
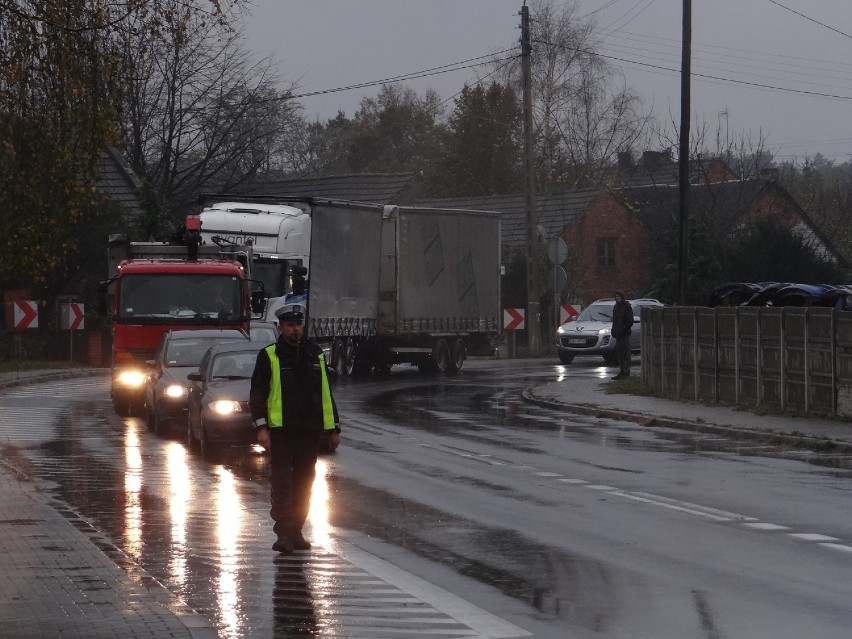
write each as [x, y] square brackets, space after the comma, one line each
[291, 405]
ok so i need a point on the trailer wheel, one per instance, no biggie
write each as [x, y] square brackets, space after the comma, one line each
[339, 358]
[458, 354]
[349, 357]
[441, 356]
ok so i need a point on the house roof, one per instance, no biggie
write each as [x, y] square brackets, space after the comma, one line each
[380, 188]
[117, 181]
[554, 211]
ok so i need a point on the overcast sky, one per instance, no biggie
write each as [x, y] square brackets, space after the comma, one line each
[768, 64]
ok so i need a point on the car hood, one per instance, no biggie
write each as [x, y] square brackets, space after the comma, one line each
[583, 328]
[233, 389]
[177, 374]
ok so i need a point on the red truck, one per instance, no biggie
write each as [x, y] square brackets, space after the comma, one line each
[155, 287]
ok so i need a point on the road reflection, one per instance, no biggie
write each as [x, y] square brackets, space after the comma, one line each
[229, 513]
[318, 515]
[180, 495]
[133, 490]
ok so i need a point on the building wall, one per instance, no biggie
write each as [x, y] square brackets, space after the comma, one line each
[606, 218]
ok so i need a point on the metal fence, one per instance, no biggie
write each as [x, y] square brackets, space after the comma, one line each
[797, 359]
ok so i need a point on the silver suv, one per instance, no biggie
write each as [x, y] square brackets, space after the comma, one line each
[591, 332]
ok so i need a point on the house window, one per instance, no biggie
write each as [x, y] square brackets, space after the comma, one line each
[606, 251]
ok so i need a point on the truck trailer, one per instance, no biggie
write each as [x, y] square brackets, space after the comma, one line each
[154, 287]
[384, 285]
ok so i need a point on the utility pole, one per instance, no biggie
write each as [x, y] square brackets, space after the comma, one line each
[683, 160]
[533, 316]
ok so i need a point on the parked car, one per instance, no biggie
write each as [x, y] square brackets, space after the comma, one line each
[179, 353]
[264, 332]
[219, 412]
[591, 332]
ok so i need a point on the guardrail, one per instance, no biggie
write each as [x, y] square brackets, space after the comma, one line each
[788, 358]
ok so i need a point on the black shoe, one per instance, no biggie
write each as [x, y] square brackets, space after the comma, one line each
[283, 545]
[300, 543]
[619, 376]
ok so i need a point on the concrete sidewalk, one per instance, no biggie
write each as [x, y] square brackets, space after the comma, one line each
[60, 577]
[589, 396]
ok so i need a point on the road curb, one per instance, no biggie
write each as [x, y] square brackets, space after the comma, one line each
[762, 436]
[49, 376]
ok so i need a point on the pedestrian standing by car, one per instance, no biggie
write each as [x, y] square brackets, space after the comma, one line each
[622, 320]
[291, 405]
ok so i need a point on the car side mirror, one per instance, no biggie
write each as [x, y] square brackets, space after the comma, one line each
[195, 377]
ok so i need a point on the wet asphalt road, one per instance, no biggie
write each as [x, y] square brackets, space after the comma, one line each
[454, 509]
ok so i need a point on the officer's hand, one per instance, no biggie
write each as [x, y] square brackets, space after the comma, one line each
[263, 437]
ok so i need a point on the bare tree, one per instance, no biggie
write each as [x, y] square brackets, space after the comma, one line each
[201, 114]
[584, 113]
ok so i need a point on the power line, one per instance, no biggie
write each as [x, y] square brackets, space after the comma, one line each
[802, 15]
[705, 76]
[447, 68]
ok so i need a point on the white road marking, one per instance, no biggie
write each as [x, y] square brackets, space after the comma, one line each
[765, 526]
[485, 624]
[812, 537]
[842, 547]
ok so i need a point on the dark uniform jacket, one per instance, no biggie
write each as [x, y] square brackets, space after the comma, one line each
[301, 386]
[622, 319]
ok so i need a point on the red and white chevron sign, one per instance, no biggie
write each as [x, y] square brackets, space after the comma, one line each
[568, 312]
[26, 314]
[73, 317]
[513, 319]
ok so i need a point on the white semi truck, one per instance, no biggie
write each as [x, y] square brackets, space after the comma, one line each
[385, 284]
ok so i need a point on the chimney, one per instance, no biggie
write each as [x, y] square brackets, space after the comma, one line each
[656, 159]
[769, 173]
[625, 160]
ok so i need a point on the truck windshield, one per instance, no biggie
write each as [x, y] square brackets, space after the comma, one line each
[175, 298]
[273, 274]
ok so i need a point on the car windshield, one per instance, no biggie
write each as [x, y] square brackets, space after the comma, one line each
[187, 352]
[233, 365]
[596, 313]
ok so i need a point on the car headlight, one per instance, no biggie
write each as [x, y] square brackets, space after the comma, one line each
[174, 391]
[131, 379]
[224, 406]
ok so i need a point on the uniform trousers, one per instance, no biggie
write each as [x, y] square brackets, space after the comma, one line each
[292, 460]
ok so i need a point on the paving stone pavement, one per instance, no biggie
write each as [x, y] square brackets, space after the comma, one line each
[60, 578]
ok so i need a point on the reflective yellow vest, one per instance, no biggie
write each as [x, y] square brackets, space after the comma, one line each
[274, 403]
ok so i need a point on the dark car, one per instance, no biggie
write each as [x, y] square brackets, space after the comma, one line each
[218, 399]
[264, 332]
[179, 353]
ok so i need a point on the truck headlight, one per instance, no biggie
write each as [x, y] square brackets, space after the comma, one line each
[224, 406]
[131, 379]
[174, 391]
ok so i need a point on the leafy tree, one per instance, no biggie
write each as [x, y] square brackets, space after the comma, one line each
[482, 150]
[770, 251]
[61, 93]
[824, 190]
[58, 109]
[394, 132]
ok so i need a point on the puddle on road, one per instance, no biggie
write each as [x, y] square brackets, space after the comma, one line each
[553, 582]
[430, 409]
